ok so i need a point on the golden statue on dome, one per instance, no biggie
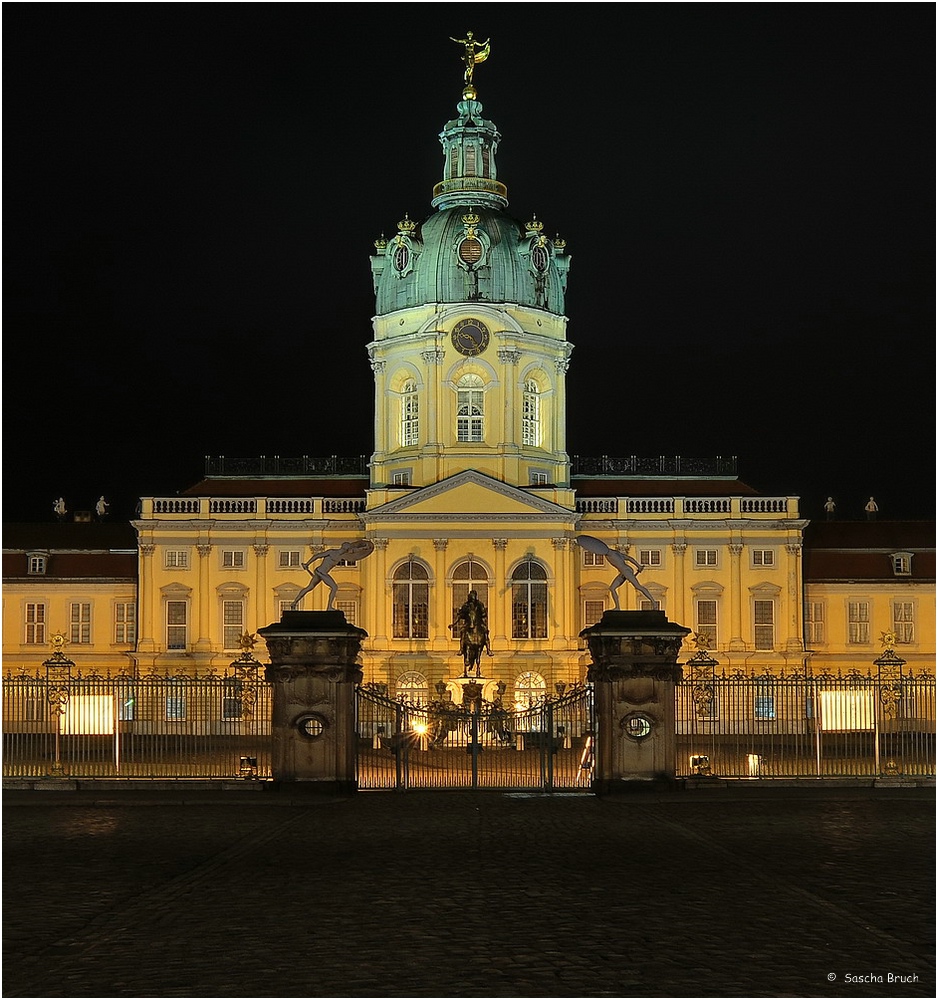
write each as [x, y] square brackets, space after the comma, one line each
[475, 52]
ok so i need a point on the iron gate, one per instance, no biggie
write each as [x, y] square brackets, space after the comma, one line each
[547, 747]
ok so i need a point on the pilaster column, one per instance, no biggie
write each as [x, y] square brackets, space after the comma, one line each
[795, 640]
[441, 634]
[497, 601]
[261, 610]
[381, 405]
[509, 434]
[379, 613]
[678, 549]
[146, 613]
[626, 594]
[204, 641]
[560, 601]
[736, 607]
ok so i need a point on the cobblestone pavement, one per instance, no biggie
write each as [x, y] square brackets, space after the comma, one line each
[716, 894]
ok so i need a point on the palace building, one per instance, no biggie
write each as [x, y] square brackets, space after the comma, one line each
[470, 487]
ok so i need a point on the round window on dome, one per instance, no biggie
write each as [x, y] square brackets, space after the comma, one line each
[540, 259]
[401, 258]
[470, 251]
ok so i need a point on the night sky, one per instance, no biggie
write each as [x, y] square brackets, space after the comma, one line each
[192, 192]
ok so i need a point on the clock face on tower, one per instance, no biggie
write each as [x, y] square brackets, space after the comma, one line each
[470, 337]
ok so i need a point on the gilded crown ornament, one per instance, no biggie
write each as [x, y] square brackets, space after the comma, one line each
[381, 243]
[534, 226]
[405, 227]
[559, 243]
[471, 219]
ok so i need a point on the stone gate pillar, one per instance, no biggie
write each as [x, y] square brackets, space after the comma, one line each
[314, 674]
[634, 672]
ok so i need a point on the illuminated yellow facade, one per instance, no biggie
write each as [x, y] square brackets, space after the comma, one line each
[470, 487]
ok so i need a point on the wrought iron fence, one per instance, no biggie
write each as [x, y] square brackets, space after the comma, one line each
[218, 726]
[770, 726]
[403, 746]
[213, 726]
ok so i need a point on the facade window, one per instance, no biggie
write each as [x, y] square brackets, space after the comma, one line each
[232, 559]
[176, 697]
[35, 623]
[470, 408]
[125, 622]
[469, 575]
[413, 688]
[763, 557]
[902, 623]
[349, 609]
[402, 478]
[765, 698]
[530, 689]
[232, 706]
[593, 558]
[529, 601]
[79, 622]
[902, 563]
[592, 612]
[705, 557]
[411, 602]
[764, 624]
[176, 559]
[36, 565]
[814, 621]
[285, 606]
[410, 424]
[290, 558]
[650, 606]
[858, 621]
[538, 478]
[707, 622]
[233, 623]
[531, 415]
[649, 557]
[177, 624]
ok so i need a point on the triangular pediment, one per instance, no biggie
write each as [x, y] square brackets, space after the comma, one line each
[469, 494]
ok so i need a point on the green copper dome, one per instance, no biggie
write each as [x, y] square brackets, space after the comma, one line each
[469, 250]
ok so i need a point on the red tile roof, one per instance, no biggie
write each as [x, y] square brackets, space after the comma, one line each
[349, 486]
[610, 486]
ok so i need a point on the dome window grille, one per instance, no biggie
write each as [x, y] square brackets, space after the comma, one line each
[470, 251]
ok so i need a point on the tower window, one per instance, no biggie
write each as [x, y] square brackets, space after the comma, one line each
[410, 424]
[470, 408]
[531, 415]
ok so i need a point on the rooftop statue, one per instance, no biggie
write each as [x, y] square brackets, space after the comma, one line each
[621, 562]
[475, 52]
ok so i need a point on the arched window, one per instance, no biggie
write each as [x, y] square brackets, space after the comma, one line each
[410, 424]
[529, 601]
[411, 601]
[469, 575]
[530, 688]
[470, 408]
[531, 414]
[413, 688]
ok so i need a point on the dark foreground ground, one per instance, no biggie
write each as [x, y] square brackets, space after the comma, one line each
[782, 892]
